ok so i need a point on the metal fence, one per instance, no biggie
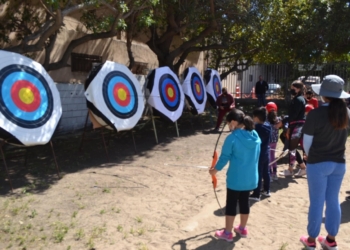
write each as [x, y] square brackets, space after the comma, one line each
[283, 75]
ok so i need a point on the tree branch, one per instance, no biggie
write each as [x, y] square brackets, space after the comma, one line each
[73, 44]
[24, 48]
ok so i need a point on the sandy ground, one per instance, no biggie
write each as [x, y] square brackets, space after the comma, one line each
[158, 198]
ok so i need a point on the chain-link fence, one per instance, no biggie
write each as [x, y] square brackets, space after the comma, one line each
[280, 76]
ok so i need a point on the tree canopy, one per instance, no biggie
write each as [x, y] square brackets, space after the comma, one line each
[232, 33]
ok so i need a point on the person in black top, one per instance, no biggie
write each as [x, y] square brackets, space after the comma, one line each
[325, 135]
[260, 90]
[296, 120]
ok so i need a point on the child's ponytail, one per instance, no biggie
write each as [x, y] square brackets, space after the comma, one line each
[248, 123]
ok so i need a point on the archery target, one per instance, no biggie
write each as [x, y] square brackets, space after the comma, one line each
[170, 92]
[26, 99]
[194, 90]
[216, 86]
[166, 95]
[213, 86]
[30, 106]
[197, 87]
[120, 94]
[116, 96]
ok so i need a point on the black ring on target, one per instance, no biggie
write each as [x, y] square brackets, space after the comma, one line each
[171, 105]
[199, 98]
[127, 112]
[5, 108]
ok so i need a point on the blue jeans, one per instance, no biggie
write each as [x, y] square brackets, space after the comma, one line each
[261, 100]
[324, 181]
[264, 174]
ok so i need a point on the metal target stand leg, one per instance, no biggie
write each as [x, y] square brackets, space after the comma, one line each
[133, 140]
[177, 129]
[54, 157]
[83, 135]
[154, 126]
[7, 171]
[104, 144]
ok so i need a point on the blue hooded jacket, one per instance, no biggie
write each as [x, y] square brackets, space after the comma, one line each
[242, 149]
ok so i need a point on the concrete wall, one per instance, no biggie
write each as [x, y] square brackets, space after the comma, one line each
[74, 108]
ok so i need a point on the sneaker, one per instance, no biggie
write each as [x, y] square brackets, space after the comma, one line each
[301, 173]
[223, 236]
[325, 244]
[286, 172]
[307, 244]
[347, 198]
[266, 193]
[243, 233]
[254, 198]
[271, 178]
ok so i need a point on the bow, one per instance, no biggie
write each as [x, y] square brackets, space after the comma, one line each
[283, 154]
[213, 163]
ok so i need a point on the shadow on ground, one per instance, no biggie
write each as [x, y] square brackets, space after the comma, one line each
[32, 169]
[213, 243]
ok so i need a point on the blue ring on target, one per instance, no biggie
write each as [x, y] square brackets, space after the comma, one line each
[199, 98]
[111, 79]
[9, 75]
[169, 104]
[216, 81]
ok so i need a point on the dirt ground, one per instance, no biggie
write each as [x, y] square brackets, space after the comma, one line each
[159, 197]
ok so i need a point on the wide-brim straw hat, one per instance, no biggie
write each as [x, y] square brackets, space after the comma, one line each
[331, 86]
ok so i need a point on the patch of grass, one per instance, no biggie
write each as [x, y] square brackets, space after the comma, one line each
[141, 231]
[33, 214]
[102, 211]
[60, 231]
[138, 219]
[119, 228]
[90, 244]
[97, 232]
[79, 234]
[142, 246]
[284, 246]
[74, 214]
[106, 190]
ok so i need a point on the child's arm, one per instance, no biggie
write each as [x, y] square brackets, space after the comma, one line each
[226, 153]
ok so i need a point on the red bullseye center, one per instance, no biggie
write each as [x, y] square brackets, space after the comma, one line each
[198, 87]
[170, 92]
[25, 95]
[121, 94]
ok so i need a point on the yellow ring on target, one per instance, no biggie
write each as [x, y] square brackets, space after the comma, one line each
[122, 94]
[198, 88]
[170, 92]
[26, 95]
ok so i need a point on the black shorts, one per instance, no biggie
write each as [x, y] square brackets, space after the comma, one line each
[232, 197]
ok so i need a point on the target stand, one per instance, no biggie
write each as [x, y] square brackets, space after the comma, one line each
[104, 130]
[4, 158]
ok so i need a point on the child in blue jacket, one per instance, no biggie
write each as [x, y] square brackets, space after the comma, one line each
[263, 129]
[241, 149]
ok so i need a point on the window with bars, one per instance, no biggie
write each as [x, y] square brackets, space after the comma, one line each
[83, 62]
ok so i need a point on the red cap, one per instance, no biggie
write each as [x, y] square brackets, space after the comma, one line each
[271, 106]
[308, 107]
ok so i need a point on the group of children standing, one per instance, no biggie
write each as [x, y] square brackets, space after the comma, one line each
[251, 147]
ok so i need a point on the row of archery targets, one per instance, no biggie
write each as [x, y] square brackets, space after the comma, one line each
[30, 105]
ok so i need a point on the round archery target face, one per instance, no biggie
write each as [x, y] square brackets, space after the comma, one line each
[26, 98]
[120, 94]
[197, 88]
[216, 86]
[169, 92]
